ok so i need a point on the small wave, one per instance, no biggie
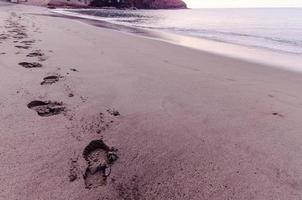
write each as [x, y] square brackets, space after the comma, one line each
[224, 33]
[270, 43]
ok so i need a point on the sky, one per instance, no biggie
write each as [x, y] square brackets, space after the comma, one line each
[242, 3]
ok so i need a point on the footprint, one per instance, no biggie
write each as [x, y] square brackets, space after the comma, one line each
[36, 53]
[15, 30]
[46, 108]
[50, 80]
[4, 36]
[22, 47]
[99, 158]
[39, 54]
[113, 112]
[30, 65]
[28, 42]
[20, 36]
[74, 70]
[277, 114]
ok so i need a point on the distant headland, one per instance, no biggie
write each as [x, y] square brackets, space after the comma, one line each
[131, 4]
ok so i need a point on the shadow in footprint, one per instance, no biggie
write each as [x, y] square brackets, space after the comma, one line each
[20, 36]
[4, 36]
[22, 47]
[113, 112]
[50, 80]
[74, 70]
[277, 114]
[30, 65]
[28, 42]
[46, 108]
[99, 158]
[37, 53]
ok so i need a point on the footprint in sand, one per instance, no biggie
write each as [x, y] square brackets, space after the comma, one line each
[20, 36]
[46, 108]
[277, 114]
[99, 158]
[113, 112]
[28, 42]
[36, 53]
[4, 36]
[22, 47]
[74, 70]
[30, 65]
[50, 80]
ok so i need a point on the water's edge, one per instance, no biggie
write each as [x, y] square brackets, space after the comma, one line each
[250, 54]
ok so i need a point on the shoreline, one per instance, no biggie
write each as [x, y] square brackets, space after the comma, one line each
[184, 124]
[252, 54]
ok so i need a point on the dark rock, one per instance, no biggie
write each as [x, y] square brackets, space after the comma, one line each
[141, 4]
[164, 4]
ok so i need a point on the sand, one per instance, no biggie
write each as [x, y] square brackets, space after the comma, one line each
[184, 124]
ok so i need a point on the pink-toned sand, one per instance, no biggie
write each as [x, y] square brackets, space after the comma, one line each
[192, 125]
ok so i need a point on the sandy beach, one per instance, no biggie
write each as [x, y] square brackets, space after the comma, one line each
[176, 123]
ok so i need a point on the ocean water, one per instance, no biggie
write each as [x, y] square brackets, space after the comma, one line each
[275, 29]
[270, 36]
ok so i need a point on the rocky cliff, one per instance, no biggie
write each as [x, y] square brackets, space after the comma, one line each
[141, 4]
[164, 4]
[161, 4]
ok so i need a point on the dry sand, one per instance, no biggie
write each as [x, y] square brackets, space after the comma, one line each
[192, 125]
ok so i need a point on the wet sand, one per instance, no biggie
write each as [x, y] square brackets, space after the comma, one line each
[93, 113]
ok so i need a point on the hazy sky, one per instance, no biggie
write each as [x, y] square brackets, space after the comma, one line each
[243, 3]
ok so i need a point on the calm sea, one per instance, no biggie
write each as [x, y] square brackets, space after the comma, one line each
[273, 29]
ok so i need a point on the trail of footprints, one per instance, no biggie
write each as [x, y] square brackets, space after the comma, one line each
[98, 156]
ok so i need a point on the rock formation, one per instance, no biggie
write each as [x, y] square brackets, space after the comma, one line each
[164, 4]
[141, 4]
